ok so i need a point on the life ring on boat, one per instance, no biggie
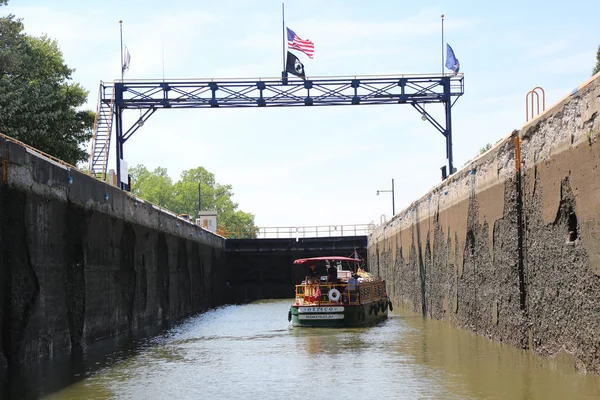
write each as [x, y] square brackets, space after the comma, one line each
[334, 295]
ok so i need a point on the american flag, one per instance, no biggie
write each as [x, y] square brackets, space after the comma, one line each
[305, 46]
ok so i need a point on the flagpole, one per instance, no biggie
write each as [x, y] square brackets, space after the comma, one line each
[283, 73]
[121, 28]
[442, 44]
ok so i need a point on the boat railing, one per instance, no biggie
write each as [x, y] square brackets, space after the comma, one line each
[372, 290]
[319, 293]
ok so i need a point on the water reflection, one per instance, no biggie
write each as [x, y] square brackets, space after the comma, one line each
[327, 341]
[487, 369]
[251, 351]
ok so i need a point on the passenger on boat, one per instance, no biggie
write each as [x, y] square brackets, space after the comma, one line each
[313, 274]
[352, 287]
[313, 293]
[332, 275]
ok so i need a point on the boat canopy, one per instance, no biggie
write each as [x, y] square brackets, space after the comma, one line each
[301, 261]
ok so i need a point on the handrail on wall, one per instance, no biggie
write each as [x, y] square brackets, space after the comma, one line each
[529, 97]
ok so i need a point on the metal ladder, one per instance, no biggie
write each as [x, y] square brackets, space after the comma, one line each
[100, 143]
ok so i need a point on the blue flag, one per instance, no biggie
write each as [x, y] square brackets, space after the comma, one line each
[451, 61]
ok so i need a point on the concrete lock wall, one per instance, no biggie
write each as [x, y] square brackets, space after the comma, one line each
[512, 254]
[81, 260]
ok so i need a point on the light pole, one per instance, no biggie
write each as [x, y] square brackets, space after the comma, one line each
[199, 200]
[392, 191]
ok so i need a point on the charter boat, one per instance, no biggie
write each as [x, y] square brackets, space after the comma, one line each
[344, 295]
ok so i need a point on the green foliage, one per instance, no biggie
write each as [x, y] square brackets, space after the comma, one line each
[485, 148]
[181, 197]
[186, 191]
[480, 152]
[597, 67]
[39, 102]
[155, 186]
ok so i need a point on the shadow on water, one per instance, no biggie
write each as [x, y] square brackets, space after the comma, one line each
[44, 377]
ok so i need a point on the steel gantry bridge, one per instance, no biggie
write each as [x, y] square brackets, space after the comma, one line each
[147, 96]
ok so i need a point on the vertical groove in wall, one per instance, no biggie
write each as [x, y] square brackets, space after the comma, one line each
[73, 253]
[184, 288]
[142, 283]
[127, 274]
[422, 272]
[196, 277]
[162, 275]
[22, 282]
[520, 258]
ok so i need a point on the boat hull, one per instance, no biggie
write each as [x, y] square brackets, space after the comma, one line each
[339, 315]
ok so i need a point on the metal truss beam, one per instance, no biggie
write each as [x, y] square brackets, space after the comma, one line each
[415, 90]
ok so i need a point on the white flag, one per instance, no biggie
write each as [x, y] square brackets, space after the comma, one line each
[126, 60]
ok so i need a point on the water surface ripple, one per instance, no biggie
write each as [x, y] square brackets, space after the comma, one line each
[250, 351]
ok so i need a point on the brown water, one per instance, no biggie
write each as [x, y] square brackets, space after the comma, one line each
[251, 352]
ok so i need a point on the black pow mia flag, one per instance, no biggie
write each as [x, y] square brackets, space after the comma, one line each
[294, 66]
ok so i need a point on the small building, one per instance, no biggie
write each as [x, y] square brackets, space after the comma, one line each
[207, 220]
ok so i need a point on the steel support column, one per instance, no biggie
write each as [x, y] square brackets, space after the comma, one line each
[448, 133]
[449, 137]
[119, 129]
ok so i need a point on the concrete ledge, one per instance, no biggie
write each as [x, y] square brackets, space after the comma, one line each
[33, 172]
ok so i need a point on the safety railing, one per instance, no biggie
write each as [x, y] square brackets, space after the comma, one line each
[39, 152]
[283, 232]
[372, 290]
[319, 293]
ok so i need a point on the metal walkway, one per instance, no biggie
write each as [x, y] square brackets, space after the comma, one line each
[147, 96]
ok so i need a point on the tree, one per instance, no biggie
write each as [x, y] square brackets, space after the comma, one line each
[186, 191]
[240, 224]
[597, 67]
[485, 148]
[155, 186]
[181, 197]
[39, 102]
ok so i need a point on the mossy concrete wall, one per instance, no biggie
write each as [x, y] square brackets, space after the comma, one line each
[511, 253]
[81, 260]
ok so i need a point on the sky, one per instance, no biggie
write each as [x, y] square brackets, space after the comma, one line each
[323, 165]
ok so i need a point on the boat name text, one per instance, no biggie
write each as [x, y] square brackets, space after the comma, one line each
[321, 316]
[320, 309]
